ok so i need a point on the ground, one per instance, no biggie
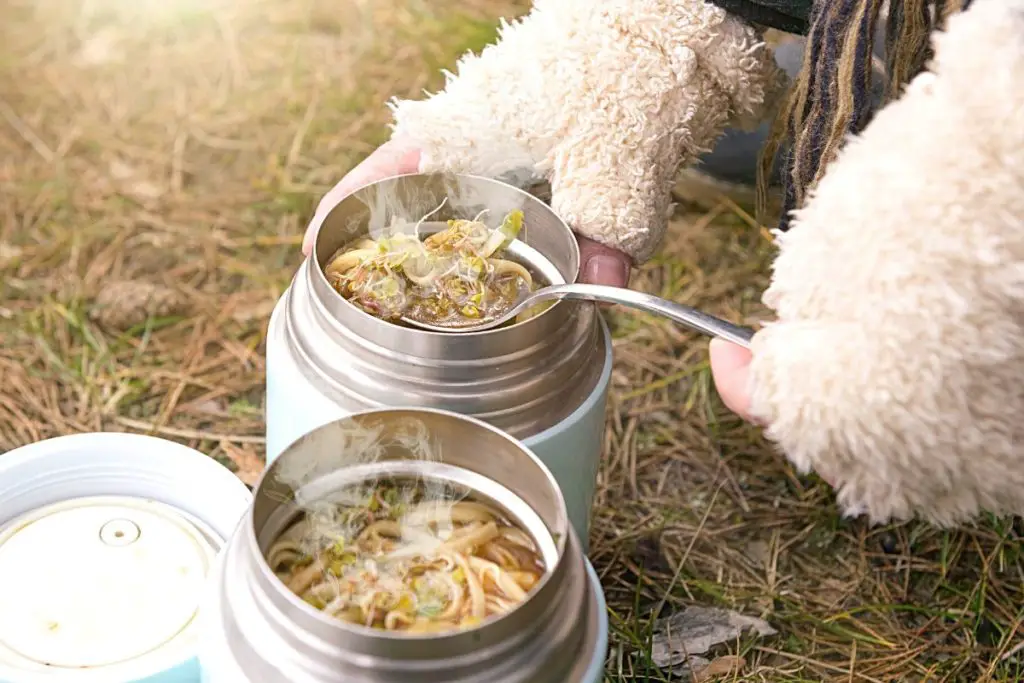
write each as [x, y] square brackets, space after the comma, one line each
[158, 162]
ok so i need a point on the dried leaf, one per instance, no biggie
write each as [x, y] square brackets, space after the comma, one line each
[695, 630]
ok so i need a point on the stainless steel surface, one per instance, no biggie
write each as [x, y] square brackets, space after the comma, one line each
[274, 636]
[523, 378]
[684, 315]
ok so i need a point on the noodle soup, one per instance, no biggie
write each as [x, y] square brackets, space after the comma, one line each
[456, 276]
[408, 555]
[429, 548]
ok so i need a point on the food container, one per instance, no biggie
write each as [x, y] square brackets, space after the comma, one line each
[544, 381]
[255, 630]
[106, 542]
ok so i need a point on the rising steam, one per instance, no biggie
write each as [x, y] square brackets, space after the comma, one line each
[397, 206]
[350, 443]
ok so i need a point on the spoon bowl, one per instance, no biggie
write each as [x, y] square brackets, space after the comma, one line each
[678, 313]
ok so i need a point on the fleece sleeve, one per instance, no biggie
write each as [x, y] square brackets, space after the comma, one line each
[605, 99]
[896, 365]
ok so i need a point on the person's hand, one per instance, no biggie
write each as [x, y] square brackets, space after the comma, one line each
[599, 264]
[730, 367]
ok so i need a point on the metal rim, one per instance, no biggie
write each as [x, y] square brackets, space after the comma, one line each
[318, 272]
[454, 474]
[477, 422]
[562, 537]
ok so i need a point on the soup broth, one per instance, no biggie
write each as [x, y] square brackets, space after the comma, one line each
[395, 556]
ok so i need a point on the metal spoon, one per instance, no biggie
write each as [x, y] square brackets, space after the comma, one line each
[684, 315]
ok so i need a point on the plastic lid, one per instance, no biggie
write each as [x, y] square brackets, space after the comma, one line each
[96, 582]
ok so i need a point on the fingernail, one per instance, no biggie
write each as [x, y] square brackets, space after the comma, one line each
[606, 270]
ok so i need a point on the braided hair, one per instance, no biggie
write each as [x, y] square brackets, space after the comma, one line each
[831, 97]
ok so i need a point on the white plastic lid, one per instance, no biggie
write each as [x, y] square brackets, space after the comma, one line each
[97, 582]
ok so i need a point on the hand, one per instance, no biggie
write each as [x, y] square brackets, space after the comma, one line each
[599, 265]
[730, 367]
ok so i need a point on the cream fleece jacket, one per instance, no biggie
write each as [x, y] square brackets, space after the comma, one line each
[606, 99]
[896, 366]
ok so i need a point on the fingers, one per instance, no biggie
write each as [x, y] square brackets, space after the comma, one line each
[601, 265]
[392, 158]
[730, 366]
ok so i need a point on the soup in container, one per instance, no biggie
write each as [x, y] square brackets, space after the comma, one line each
[106, 543]
[405, 546]
[543, 380]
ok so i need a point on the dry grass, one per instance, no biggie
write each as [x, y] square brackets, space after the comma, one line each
[158, 161]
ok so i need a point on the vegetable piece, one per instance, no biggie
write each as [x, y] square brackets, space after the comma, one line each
[510, 227]
[503, 267]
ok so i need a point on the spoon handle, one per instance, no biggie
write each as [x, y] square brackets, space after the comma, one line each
[684, 315]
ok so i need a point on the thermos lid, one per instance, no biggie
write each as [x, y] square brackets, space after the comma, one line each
[100, 583]
[107, 541]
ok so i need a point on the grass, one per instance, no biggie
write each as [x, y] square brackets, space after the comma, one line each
[158, 162]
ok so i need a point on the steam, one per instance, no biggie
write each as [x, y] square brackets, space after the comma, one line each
[402, 206]
[352, 442]
[348, 443]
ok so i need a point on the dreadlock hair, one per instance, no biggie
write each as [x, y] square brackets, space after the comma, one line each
[831, 97]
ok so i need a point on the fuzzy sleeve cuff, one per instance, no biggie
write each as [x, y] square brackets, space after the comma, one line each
[606, 99]
[896, 366]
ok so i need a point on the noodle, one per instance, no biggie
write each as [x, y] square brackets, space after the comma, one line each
[385, 558]
[452, 278]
